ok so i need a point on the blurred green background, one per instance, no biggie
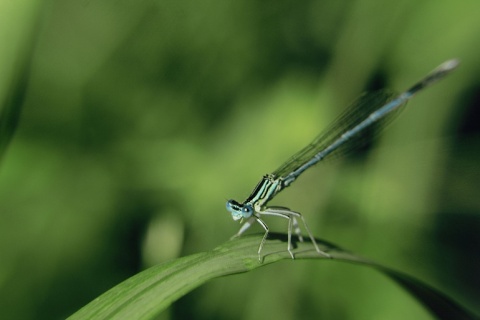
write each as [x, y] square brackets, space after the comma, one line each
[136, 120]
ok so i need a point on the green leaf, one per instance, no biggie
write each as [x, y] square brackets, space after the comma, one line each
[148, 293]
[10, 109]
[17, 83]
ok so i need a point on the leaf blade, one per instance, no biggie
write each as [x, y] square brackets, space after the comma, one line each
[148, 293]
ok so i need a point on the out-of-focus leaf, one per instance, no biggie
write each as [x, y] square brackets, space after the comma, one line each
[11, 103]
[10, 111]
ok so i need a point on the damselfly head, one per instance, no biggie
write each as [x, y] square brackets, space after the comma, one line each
[238, 210]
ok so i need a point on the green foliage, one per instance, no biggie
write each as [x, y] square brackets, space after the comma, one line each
[148, 293]
[125, 126]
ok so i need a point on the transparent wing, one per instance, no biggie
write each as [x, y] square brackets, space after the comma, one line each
[357, 112]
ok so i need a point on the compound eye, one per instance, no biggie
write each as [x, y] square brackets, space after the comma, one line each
[247, 211]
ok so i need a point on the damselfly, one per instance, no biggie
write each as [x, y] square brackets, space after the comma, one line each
[369, 109]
